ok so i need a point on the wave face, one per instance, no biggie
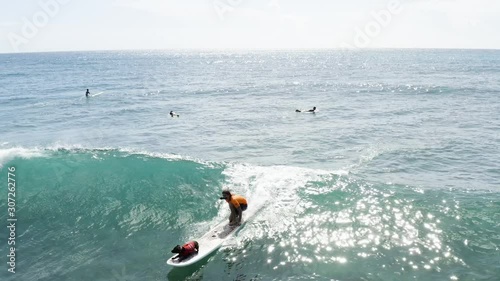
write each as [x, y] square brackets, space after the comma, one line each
[115, 215]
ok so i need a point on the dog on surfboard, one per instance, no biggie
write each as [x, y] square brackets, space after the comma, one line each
[185, 251]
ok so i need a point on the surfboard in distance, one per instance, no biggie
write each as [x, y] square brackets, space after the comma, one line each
[98, 94]
[305, 111]
[208, 243]
[313, 110]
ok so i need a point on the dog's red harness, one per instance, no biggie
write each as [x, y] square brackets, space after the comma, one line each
[189, 248]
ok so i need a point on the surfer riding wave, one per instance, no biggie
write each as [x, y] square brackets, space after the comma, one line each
[237, 204]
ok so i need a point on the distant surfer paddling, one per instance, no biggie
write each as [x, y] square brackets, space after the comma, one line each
[173, 114]
[87, 94]
[237, 204]
[310, 110]
[185, 251]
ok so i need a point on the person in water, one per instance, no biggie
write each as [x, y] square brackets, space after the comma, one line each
[186, 250]
[173, 114]
[87, 94]
[237, 204]
[310, 110]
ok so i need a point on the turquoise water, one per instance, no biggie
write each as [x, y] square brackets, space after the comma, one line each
[396, 177]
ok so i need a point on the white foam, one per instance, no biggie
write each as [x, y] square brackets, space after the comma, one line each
[273, 194]
[8, 154]
[275, 187]
[162, 155]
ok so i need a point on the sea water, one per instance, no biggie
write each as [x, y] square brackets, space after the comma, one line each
[395, 177]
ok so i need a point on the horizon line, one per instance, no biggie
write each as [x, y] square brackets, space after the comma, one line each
[254, 49]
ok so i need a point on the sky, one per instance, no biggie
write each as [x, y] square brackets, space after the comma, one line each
[80, 25]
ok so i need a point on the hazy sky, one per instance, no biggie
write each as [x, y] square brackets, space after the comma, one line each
[64, 25]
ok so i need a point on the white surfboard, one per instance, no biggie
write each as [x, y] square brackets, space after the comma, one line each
[208, 243]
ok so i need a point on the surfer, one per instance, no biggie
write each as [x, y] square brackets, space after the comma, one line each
[185, 251]
[87, 94]
[173, 114]
[237, 204]
[310, 110]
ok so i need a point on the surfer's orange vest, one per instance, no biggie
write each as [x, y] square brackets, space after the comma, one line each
[237, 200]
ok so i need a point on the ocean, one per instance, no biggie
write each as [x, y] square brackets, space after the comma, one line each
[395, 177]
